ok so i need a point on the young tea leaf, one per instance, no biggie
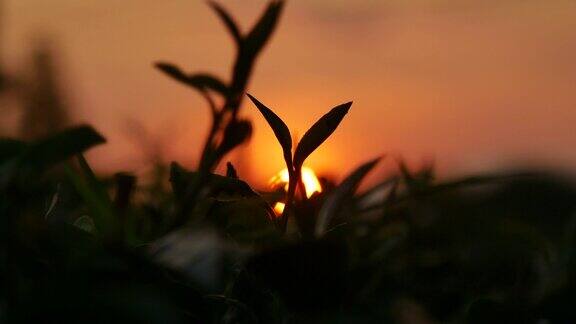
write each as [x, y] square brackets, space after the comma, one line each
[228, 21]
[172, 71]
[336, 198]
[236, 133]
[319, 132]
[181, 178]
[61, 146]
[263, 29]
[279, 128]
[200, 81]
[207, 82]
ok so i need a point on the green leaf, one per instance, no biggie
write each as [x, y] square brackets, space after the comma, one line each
[86, 223]
[318, 133]
[96, 198]
[200, 81]
[263, 29]
[336, 198]
[228, 21]
[279, 128]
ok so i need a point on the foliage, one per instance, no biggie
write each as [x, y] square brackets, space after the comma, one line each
[76, 247]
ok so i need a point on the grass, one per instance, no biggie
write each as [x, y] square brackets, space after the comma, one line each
[76, 247]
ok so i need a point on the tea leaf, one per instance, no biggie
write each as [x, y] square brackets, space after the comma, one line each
[218, 185]
[208, 82]
[236, 133]
[125, 186]
[319, 132]
[200, 81]
[231, 171]
[335, 199]
[173, 71]
[246, 220]
[228, 21]
[60, 147]
[263, 29]
[96, 199]
[279, 128]
[93, 181]
[86, 223]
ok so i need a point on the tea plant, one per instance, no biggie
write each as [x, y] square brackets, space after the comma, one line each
[79, 247]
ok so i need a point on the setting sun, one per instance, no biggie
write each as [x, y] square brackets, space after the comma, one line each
[309, 178]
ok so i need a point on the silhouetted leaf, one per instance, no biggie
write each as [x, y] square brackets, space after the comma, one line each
[279, 128]
[345, 190]
[236, 133]
[125, 185]
[208, 82]
[263, 29]
[200, 81]
[173, 71]
[417, 181]
[319, 132]
[179, 179]
[228, 21]
[61, 146]
[218, 185]
[246, 220]
[231, 171]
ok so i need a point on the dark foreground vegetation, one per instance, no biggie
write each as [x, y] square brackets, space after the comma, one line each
[207, 248]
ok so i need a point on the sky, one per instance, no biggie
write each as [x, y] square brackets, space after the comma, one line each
[473, 85]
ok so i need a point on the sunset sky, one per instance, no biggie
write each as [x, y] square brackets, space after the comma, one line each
[475, 84]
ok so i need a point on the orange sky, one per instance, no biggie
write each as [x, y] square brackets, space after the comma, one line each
[475, 84]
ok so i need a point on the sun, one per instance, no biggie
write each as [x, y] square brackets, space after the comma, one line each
[309, 178]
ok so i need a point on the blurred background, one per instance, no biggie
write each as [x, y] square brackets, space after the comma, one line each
[474, 85]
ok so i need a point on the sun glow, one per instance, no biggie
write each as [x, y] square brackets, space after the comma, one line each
[311, 184]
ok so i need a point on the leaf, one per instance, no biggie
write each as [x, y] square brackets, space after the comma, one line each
[336, 198]
[319, 132]
[200, 81]
[228, 21]
[208, 82]
[86, 223]
[279, 128]
[96, 199]
[236, 133]
[231, 171]
[125, 186]
[245, 220]
[179, 179]
[263, 29]
[53, 202]
[60, 147]
[220, 186]
[93, 181]
[173, 71]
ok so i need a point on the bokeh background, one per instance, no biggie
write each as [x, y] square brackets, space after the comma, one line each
[475, 85]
